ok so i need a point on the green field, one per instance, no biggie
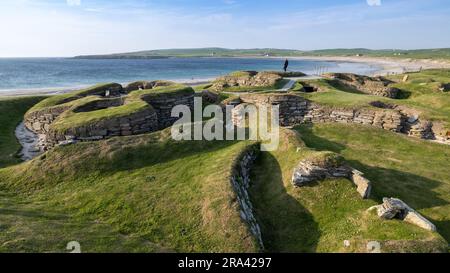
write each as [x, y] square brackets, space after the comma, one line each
[443, 53]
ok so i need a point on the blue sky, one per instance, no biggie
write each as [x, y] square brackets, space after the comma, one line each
[73, 27]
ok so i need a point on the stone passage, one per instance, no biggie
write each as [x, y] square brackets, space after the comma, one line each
[102, 112]
[378, 86]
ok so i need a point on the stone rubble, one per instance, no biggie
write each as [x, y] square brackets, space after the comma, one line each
[377, 86]
[308, 172]
[247, 79]
[393, 208]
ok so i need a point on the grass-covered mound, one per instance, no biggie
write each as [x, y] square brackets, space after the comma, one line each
[249, 81]
[319, 218]
[140, 193]
[70, 104]
[97, 90]
[420, 92]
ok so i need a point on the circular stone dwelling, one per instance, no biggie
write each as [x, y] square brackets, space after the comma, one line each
[105, 111]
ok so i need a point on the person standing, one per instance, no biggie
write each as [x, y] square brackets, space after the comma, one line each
[286, 65]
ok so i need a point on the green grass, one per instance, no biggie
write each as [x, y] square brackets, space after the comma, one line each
[436, 54]
[132, 103]
[443, 53]
[68, 97]
[11, 114]
[201, 87]
[149, 193]
[421, 92]
[415, 171]
[319, 218]
[142, 193]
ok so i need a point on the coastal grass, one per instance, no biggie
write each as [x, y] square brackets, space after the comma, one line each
[11, 114]
[421, 92]
[132, 103]
[142, 193]
[413, 170]
[320, 217]
[67, 98]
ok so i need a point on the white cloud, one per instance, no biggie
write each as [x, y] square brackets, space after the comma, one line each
[73, 3]
[374, 3]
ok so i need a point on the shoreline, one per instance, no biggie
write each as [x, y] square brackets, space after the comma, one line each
[51, 91]
[388, 66]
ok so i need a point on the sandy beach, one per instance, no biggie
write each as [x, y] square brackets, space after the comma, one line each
[389, 65]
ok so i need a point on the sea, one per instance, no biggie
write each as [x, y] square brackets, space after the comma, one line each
[26, 74]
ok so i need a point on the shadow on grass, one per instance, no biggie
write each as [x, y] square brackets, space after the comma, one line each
[443, 228]
[29, 213]
[413, 189]
[343, 87]
[159, 153]
[417, 191]
[403, 94]
[287, 226]
[316, 142]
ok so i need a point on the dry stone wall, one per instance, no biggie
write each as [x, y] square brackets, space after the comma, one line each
[137, 123]
[240, 180]
[40, 121]
[296, 110]
[164, 103]
[377, 86]
[247, 79]
[156, 116]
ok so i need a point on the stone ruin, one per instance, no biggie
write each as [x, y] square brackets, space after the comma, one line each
[240, 180]
[295, 110]
[311, 170]
[153, 114]
[246, 79]
[378, 86]
[393, 208]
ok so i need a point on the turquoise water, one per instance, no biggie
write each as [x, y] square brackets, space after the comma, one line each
[50, 73]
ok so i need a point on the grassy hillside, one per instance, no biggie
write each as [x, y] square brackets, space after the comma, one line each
[440, 53]
[196, 52]
[319, 218]
[415, 171]
[143, 193]
[443, 53]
